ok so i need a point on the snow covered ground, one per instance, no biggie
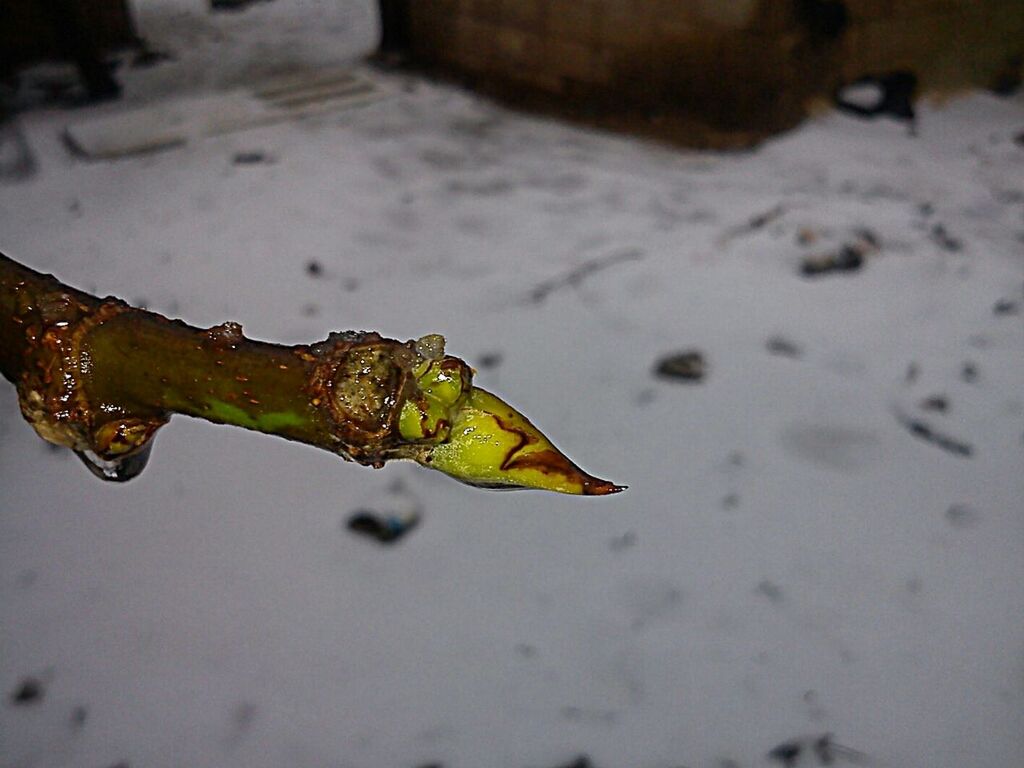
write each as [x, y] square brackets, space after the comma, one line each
[791, 558]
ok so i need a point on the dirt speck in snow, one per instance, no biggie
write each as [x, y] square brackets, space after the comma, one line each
[29, 691]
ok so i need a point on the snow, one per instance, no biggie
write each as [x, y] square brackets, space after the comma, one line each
[782, 564]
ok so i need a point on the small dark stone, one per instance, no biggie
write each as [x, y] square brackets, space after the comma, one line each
[580, 762]
[1006, 307]
[29, 691]
[730, 501]
[913, 371]
[787, 753]
[490, 360]
[849, 258]
[625, 541]
[385, 529]
[938, 403]
[783, 347]
[688, 366]
[314, 269]
[1019, 139]
[769, 589]
[969, 372]
[78, 716]
[962, 516]
[250, 158]
[945, 240]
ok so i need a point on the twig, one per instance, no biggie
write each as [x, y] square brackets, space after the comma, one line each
[575, 277]
[759, 221]
[101, 377]
[929, 434]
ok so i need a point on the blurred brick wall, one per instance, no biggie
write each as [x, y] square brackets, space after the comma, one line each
[728, 65]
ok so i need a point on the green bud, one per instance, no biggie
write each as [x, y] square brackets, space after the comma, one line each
[494, 446]
[441, 388]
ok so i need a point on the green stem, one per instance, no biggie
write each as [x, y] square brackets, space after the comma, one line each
[152, 365]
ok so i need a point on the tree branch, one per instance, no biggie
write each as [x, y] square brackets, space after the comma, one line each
[101, 377]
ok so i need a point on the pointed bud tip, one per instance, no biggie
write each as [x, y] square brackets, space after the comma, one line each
[603, 488]
[492, 445]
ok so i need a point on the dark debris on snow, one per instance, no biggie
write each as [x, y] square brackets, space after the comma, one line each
[29, 691]
[685, 366]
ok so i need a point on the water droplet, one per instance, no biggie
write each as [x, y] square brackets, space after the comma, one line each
[119, 470]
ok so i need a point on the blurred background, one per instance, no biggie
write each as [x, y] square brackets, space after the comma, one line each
[760, 260]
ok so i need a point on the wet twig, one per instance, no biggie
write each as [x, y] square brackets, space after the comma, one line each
[101, 378]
